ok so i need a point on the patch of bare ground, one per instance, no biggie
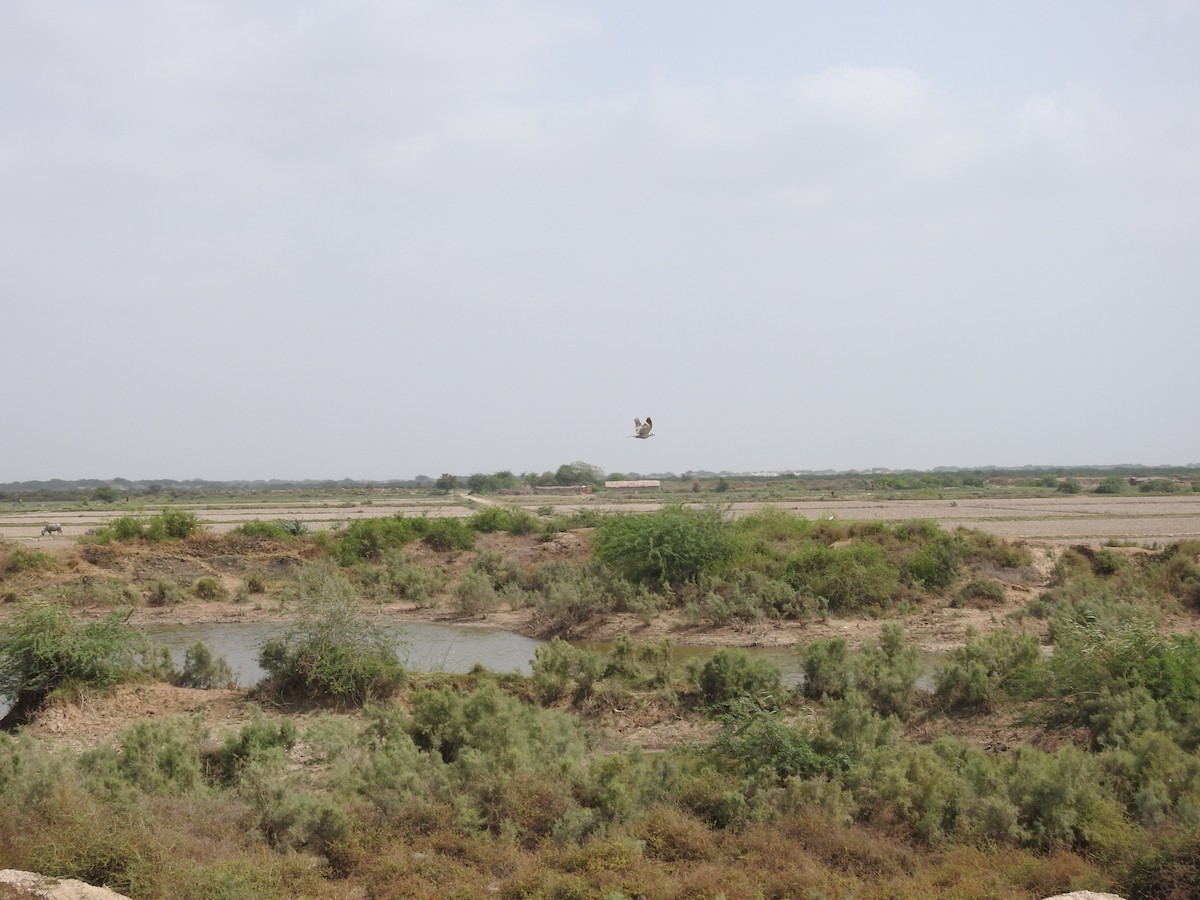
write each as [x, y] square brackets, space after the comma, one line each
[999, 731]
[97, 716]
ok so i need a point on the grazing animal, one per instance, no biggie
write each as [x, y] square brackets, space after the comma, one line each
[642, 430]
[51, 528]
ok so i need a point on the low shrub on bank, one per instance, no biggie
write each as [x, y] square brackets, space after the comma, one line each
[333, 650]
[169, 525]
[44, 649]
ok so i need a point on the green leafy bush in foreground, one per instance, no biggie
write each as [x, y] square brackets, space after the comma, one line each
[44, 648]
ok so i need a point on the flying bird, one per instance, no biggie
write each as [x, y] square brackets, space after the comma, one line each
[640, 430]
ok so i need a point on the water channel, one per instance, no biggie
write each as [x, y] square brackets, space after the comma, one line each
[425, 647]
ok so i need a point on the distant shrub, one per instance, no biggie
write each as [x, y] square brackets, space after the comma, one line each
[254, 742]
[979, 592]
[474, 594]
[125, 528]
[270, 530]
[753, 740]
[370, 538]
[731, 673]
[256, 583]
[444, 534]
[558, 666]
[333, 650]
[671, 546]
[22, 559]
[411, 582]
[827, 668]
[170, 524]
[848, 579]
[153, 756]
[201, 669]
[935, 564]
[1159, 486]
[1002, 665]
[165, 592]
[1177, 572]
[1097, 665]
[504, 518]
[887, 671]
[209, 587]
[89, 590]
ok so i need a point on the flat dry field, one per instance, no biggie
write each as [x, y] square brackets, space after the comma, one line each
[1088, 518]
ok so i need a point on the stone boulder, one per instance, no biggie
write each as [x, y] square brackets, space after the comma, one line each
[31, 886]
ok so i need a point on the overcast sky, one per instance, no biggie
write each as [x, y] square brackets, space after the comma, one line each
[371, 240]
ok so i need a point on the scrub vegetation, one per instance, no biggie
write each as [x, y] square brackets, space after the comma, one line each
[1056, 752]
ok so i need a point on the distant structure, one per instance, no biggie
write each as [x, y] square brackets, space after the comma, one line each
[642, 430]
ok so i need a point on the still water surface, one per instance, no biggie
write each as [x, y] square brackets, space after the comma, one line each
[425, 648]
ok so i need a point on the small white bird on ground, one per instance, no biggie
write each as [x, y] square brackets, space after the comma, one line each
[640, 430]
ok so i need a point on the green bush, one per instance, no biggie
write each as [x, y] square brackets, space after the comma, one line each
[979, 592]
[255, 742]
[474, 594]
[22, 559]
[333, 650]
[754, 740]
[444, 534]
[170, 524]
[559, 667]
[125, 528]
[847, 579]
[153, 756]
[209, 587]
[165, 592]
[1001, 665]
[828, 671]
[934, 565]
[411, 582]
[203, 670]
[44, 648]
[89, 590]
[671, 546]
[730, 673]
[256, 529]
[887, 671]
[504, 518]
[371, 538]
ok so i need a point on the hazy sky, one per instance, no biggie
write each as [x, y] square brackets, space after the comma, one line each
[360, 239]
